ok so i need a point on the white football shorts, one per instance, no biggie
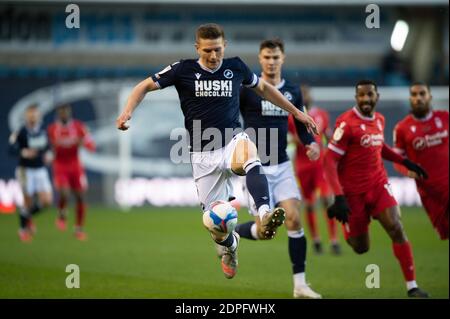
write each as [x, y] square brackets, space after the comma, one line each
[212, 172]
[33, 180]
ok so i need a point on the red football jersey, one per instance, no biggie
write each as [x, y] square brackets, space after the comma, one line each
[322, 120]
[425, 141]
[67, 138]
[359, 140]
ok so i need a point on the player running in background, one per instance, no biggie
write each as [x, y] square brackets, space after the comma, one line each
[208, 88]
[30, 144]
[423, 137]
[311, 174]
[261, 117]
[66, 136]
[354, 165]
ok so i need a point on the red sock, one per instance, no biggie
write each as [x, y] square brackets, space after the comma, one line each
[312, 223]
[403, 252]
[81, 211]
[332, 229]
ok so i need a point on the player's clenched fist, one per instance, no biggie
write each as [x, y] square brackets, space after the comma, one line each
[339, 209]
[121, 122]
[313, 151]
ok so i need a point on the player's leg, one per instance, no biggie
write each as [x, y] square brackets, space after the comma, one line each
[24, 210]
[245, 161]
[44, 191]
[62, 188]
[251, 229]
[390, 220]
[308, 193]
[297, 247]
[331, 225]
[356, 231]
[387, 212]
[78, 183]
[80, 215]
[437, 209]
[212, 183]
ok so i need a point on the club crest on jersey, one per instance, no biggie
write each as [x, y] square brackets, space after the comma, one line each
[228, 74]
[363, 126]
[288, 95]
[413, 129]
[339, 132]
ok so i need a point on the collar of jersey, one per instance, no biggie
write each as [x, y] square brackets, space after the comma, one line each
[426, 118]
[34, 129]
[281, 84]
[367, 118]
[208, 69]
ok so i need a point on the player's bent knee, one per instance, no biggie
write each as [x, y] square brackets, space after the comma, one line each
[293, 222]
[245, 154]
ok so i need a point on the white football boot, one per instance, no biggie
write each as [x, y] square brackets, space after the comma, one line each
[304, 291]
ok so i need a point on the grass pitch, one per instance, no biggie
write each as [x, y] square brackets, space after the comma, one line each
[166, 253]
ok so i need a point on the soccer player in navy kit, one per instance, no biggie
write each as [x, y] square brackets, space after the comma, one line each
[208, 89]
[261, 117]
[30, 144]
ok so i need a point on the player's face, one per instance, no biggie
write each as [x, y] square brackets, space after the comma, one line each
[420, 99]
[306, 94]
[32, 117]
[366, 99]
[64, 114]
[211, 51]
[271, 61]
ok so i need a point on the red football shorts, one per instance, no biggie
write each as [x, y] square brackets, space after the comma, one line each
[311, 181]
[366, 205]
[69, 177]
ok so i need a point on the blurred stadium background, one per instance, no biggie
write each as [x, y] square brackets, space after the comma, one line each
[328, 46]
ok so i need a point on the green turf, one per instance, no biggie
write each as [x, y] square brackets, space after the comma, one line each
[166, 253]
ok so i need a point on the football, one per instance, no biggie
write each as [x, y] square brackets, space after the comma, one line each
[221, 218]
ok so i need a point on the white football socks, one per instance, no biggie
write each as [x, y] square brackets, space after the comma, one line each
[262, 210]
[299, 279]
[411, 284]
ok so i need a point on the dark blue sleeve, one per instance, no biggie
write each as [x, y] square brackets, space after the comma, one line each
[250, 79]
[302, 132]
[167, 76]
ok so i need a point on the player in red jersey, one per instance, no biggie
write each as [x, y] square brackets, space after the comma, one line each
[355, 170]
[312, 176]
[423, 137]
[66, 136]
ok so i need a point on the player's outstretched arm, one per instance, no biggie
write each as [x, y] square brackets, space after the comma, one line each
[416, 171]
[271, 94]
[136, 96]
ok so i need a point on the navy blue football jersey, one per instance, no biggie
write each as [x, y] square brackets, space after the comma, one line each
[269, 122]
[34, 139]
[211, 97]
